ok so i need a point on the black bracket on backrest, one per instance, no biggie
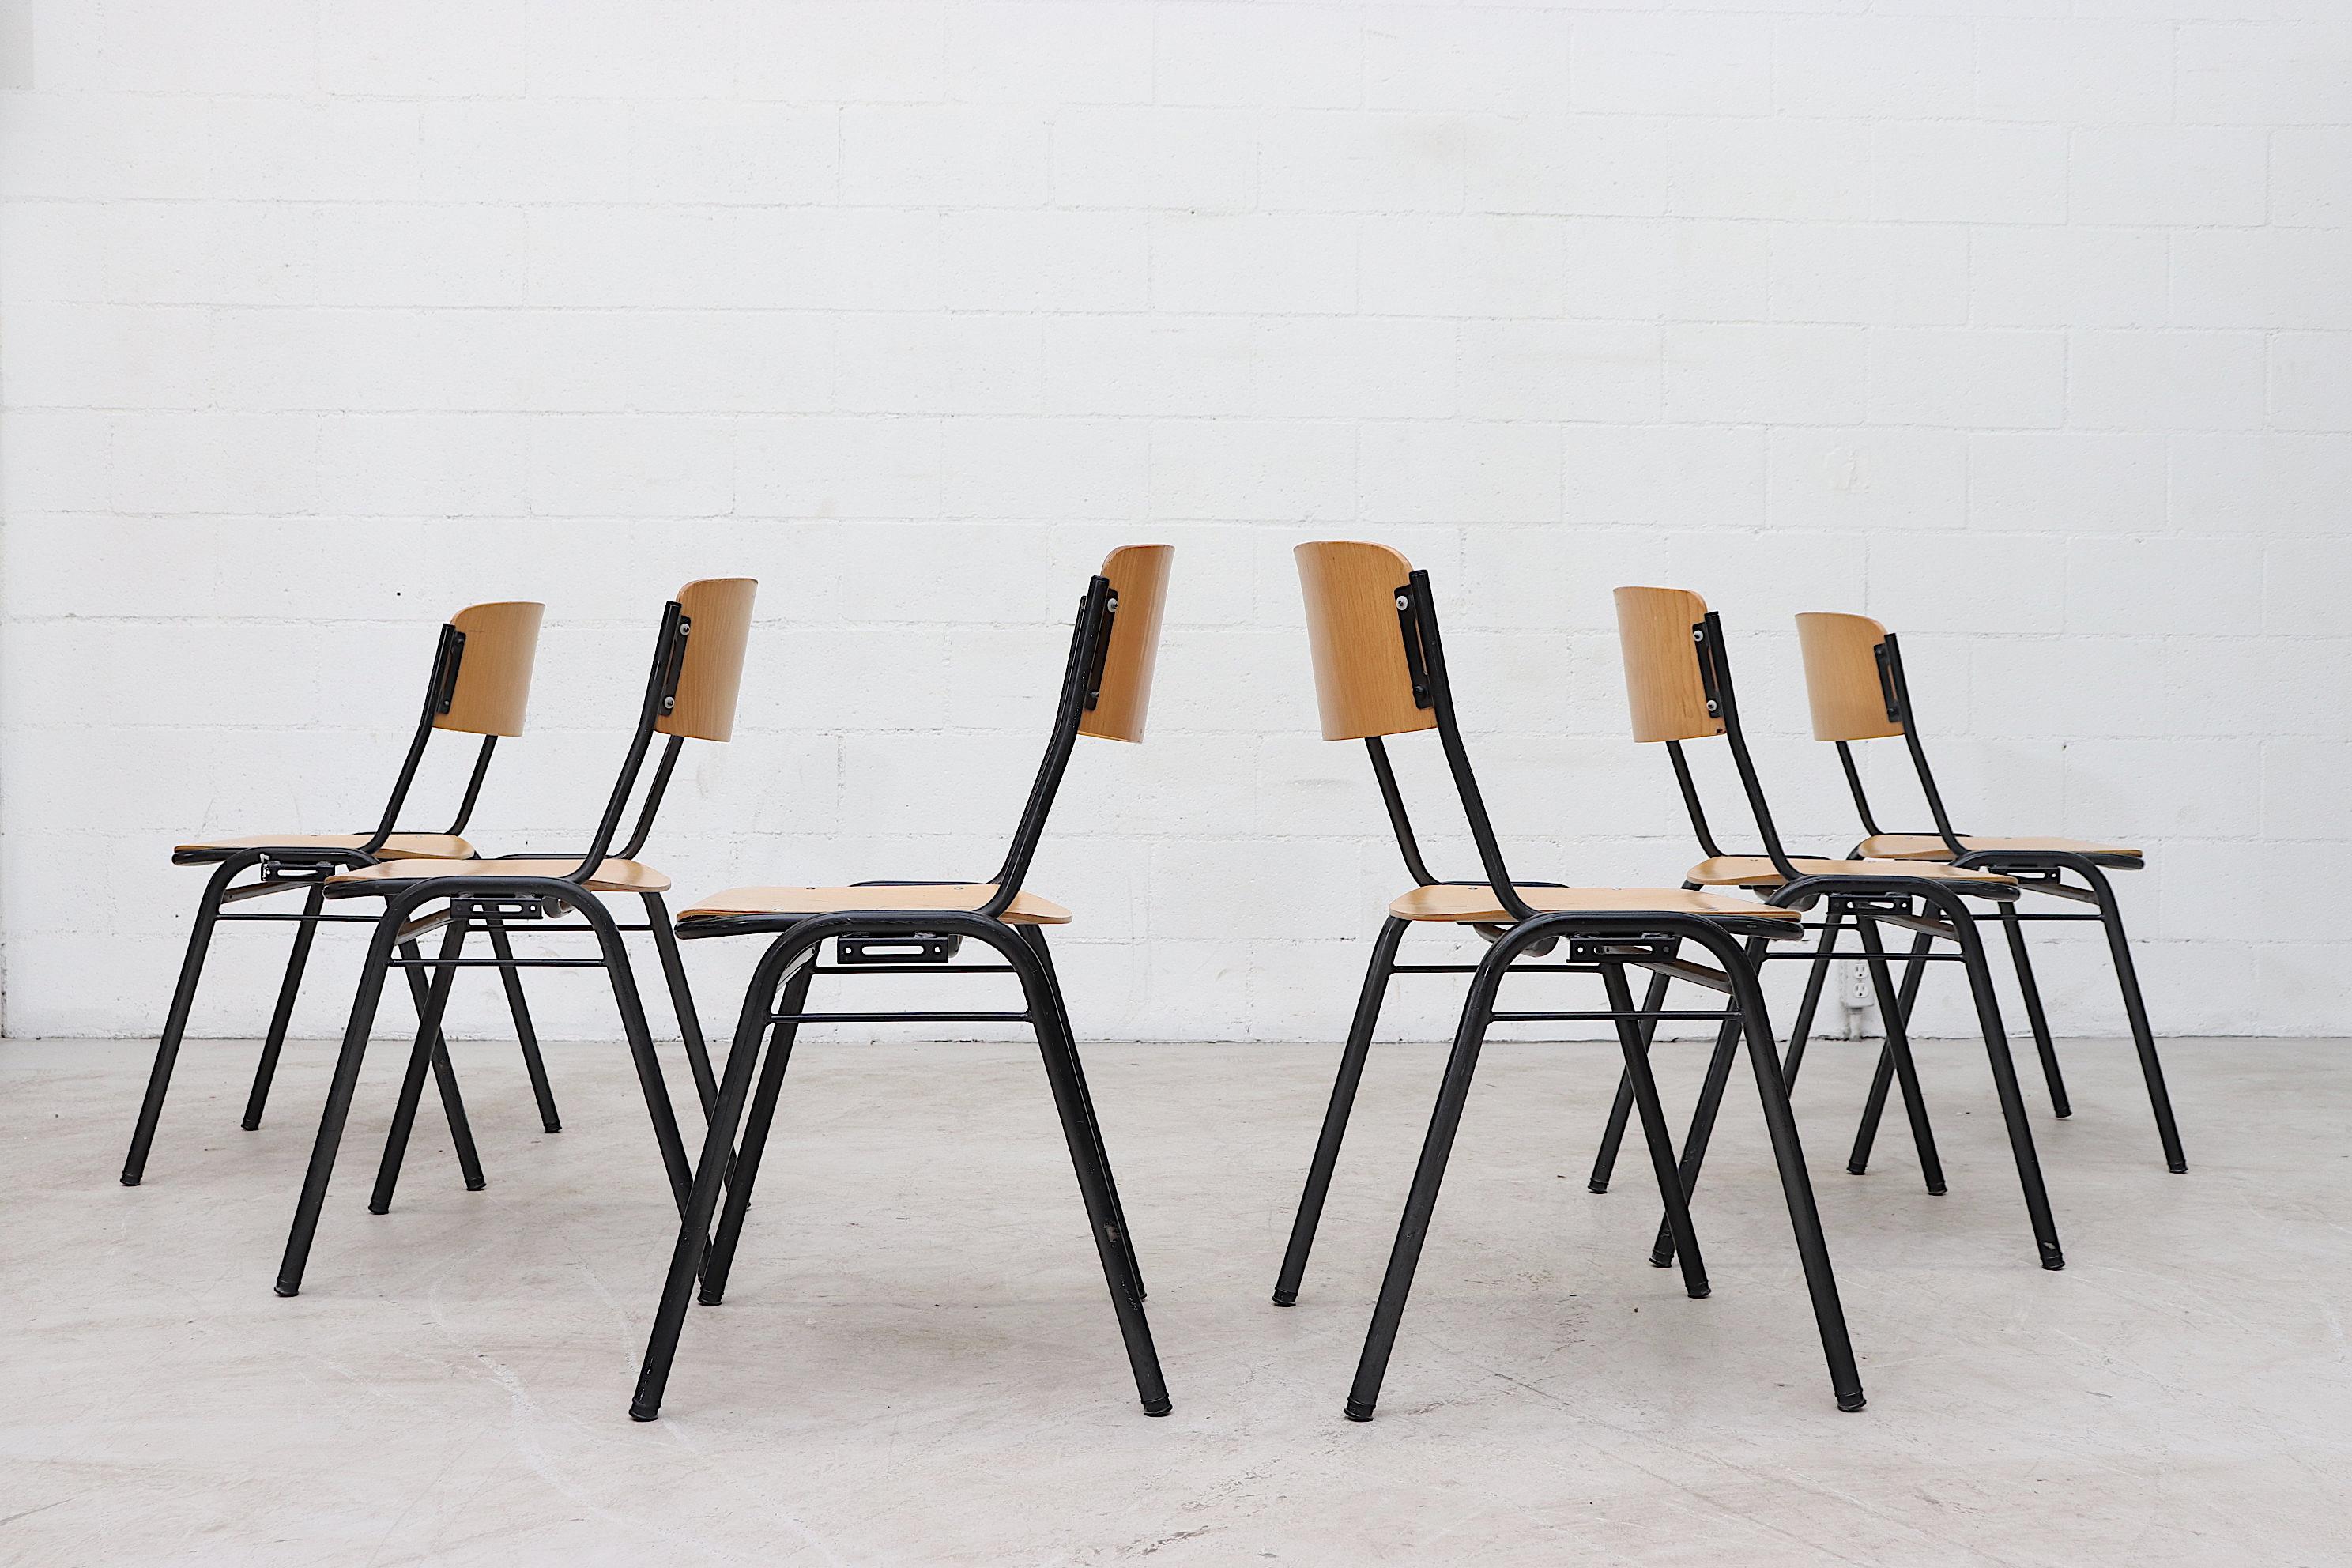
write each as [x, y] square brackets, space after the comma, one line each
[1707, 679]
[1101, 660]
[677, 666]
[1416, 663]
[1881, 654]
[446, 693]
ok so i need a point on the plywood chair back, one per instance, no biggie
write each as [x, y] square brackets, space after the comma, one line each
[1363, 682]
[1106, 687]
[1853, 679]
[492, 683]
[1380, 670]
[1845, 681]
[717, 612]
[1664, 685]
[1137, 574]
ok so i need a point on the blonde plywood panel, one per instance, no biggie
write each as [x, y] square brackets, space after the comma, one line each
[610, 876]
[1842, 677]
[1028, 908]
[1662, 680]
[719, 612]
[1927, 847]
[494, 671]
[1480, 905]
[1757, 871]
[1361, 681]
[399, 846]
[1138, 578]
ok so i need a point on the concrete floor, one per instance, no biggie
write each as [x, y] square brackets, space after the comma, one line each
[917, 1362]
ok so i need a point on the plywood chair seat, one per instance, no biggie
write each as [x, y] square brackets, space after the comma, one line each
[399, 846]
[612, 876]
[1928, 847]
[1028, 908]
[1757, 871]
[1479, 905]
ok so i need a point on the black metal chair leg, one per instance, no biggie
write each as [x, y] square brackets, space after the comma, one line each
[1621, 1109]
[1655, 1132]
[444, 1083]
[720, 1258]
[445, 1079]
[1612, 1130]
[711, 1174]
[420, 1058]
[1035, 935]
[176, 1021]
[2159, 1098]
[1335, 1115]
[1874, 1107]
[2014, 929]
[2004, 1077]
[518, 1006]
[1702, 1130]
[1881, 1078]
[1897, 1054]
[1816, 976]
[1059, 1051]
[650, 1080]
[1796, 1186]
[681, 999]
[1436, 1147]
[1703, 1114]
[365, 1001]
[282, 1017]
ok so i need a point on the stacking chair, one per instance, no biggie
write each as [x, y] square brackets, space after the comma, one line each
[479, 685]
[1678, 681]
[1380, 670]
[698, 669]
[1854, 676]
[912, 928]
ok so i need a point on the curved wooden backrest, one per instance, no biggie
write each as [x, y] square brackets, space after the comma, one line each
[1842, 677]
[1139, 580]
[1662, 686]
[719, 612]
[1361, 680]
[494, 670]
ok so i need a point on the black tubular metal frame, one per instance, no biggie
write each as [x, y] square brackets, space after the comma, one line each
[494, 906]
[305, 869]
[1604, 944]
[774, 1006]
[2038, 871]
[1930, 908]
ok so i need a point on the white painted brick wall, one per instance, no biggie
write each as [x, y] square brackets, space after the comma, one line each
[2026, 324]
